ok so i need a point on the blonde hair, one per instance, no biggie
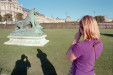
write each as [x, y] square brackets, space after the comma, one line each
[90, 28]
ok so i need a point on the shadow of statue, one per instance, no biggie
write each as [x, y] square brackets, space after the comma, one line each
[110, 35]
[21, 66]
[47, 67]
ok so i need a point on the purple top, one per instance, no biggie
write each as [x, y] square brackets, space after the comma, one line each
[85, 54]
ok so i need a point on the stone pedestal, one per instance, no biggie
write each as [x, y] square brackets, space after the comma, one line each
[27, 41]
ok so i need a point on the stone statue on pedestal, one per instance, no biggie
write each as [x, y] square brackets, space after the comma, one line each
[28, 32]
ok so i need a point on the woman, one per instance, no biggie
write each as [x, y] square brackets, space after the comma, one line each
[84, 53]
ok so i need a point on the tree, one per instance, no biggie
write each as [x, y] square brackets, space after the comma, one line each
[0, 18]
[19, 16]
[100, 19]
[8, 17]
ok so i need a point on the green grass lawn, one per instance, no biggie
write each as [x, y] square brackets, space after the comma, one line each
[60, 40]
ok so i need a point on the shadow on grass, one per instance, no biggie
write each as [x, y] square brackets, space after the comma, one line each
[0, 71]
[110, 35]
[21, 66]
[47, 67]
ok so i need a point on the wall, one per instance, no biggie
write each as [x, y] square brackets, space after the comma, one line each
[68, 25]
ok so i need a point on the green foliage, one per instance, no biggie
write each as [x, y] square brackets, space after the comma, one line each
[55, 50]
[8, 17]
[100, 19]
[19, 16]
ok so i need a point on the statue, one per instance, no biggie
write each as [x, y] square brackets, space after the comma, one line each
[24, 34]
[34, 30]
[30, 19]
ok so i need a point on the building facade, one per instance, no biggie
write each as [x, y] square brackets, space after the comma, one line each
[13, 7]
[108, 19]
[68, 19]
[10, 6]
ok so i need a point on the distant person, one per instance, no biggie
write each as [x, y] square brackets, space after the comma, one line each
[84, 53]
[21, 66]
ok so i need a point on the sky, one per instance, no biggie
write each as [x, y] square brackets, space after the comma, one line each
[76, 9]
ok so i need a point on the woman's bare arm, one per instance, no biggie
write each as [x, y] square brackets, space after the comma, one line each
[69, 54]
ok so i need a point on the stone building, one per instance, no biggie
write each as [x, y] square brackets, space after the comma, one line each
[10, 6]
[108, 19]
[68, 19]
[45, 19]
[13, 7]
